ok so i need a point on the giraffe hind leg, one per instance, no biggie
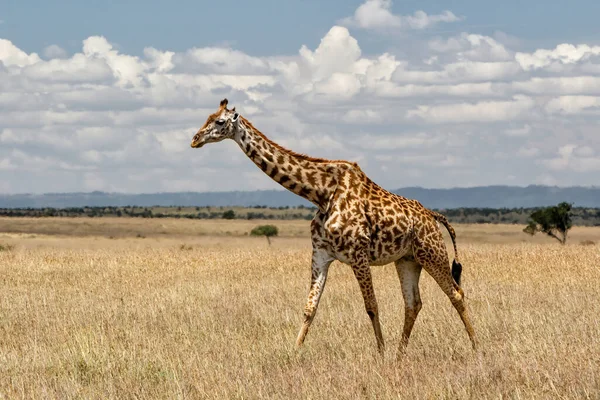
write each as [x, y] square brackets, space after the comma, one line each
[436, 263]
[409, 272]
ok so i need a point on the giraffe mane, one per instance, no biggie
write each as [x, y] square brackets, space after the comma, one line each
[291, 152]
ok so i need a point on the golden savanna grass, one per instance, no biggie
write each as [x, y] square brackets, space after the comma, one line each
[192, 311]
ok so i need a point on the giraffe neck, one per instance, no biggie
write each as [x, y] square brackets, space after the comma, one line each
[311, 178]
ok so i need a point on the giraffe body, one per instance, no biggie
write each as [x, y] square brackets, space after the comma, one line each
[357, 222]
[365, 216]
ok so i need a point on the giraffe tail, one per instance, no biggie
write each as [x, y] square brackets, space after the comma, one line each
[456, 266]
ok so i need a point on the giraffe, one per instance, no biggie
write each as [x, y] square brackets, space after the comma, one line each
[357, 223]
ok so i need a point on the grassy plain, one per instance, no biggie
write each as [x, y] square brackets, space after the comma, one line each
[141, 308]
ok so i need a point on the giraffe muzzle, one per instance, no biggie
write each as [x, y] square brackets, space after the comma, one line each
[197, 142]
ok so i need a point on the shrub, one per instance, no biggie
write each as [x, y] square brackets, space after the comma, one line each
[266, 231]
[229, 214]
[6, 247]
[553, 221]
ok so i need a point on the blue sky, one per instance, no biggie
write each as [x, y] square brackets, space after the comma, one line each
[107, 95]
[262, 27]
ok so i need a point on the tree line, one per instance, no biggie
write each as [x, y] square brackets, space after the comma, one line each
[259, 212]
[580, 216]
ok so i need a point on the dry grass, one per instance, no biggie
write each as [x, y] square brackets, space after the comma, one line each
[155, 228]
[216, 317]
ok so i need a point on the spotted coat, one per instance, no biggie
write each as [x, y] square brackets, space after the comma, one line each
[357, 222]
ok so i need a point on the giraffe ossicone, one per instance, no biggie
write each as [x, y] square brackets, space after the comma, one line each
[357, 222]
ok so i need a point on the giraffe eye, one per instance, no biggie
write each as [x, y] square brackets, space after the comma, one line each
[220, 122]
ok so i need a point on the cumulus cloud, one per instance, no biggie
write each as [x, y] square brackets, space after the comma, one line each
[525, 130]
[128, 70]
[528, 152]
[461, 71]
[78, 68]
[563, 54]
[572, 104]
[573, 157]
[484, 111]
[442, 111]
[11, 55]
[421, 140]
[220, 60]
[473, 47]
[54, 51]
[559, 85]
[339, 85]
[337, 53]
[377, 15]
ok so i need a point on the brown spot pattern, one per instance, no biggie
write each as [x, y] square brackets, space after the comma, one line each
[361, 224]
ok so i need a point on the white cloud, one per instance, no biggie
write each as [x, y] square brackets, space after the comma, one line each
[525, 130]
[337, 52]
[161, 61]
[340, 85]
[390, 89]
[560, 85]
[584, 151]
[471, 47]
[220, 60]
[11, 55]
[9, 137]
[78, 68]
[573, 157]
[563, 54]
[398, 141]
[440, 110]
[469, 71]
[528, 152]
[127, 69]
[54, 51]
[572, 104]
[377, 15]
[362, 116]
[485, 111]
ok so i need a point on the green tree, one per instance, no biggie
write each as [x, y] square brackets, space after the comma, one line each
[553, 221]
[229, 214]
[266, 231]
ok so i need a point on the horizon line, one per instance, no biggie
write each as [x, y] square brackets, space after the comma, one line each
[96, 192]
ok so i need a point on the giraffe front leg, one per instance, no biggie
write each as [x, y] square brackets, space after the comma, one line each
[362, 271]
[321, 261]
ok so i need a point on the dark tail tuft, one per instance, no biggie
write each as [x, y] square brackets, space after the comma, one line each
[456, 271]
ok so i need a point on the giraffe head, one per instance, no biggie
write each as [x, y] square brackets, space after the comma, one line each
[221, 125]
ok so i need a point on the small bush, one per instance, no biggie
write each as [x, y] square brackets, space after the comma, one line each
[587, 243]
[6, 247]
[266, 231]
[229, 214]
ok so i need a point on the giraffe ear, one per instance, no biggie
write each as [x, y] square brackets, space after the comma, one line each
[224, 103]
[233, 109]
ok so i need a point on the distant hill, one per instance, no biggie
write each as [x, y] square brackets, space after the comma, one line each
[504, 196]
[477, 197]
